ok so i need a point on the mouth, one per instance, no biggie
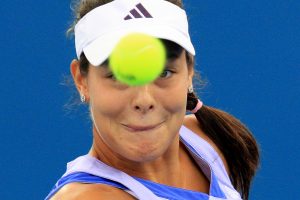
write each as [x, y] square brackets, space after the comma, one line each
[137, 128]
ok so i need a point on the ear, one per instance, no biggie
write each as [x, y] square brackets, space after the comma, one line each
[191, 71]
[80, 80]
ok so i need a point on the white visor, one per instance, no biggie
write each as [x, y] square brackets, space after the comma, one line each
[98, 32]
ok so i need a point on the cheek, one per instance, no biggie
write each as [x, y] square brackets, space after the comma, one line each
[176, 97]
[105, 102]
[103, 99]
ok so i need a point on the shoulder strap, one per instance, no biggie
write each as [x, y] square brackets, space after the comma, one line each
[195, 143]
[91, 165]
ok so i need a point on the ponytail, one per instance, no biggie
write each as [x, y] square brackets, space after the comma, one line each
[233, 139]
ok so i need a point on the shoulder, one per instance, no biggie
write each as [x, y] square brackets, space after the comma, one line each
[80, 191]
[191, 122]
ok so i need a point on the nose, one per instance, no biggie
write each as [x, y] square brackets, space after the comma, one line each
[143, 100]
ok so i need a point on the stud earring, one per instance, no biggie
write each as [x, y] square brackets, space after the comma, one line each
[191, 89]
[82, 98]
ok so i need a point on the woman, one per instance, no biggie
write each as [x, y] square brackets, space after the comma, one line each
[144, 144]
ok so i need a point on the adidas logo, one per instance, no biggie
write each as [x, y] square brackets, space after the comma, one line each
[138, 12]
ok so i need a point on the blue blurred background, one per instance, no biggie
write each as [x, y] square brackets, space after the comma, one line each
[248, 52]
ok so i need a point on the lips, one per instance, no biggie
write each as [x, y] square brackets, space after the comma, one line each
[141, 128]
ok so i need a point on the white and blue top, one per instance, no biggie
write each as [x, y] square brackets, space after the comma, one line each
[87, 169]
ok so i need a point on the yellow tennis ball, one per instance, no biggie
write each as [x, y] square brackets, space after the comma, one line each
[137, 59]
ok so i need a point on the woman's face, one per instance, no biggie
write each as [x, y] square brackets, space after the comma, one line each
[139, 123]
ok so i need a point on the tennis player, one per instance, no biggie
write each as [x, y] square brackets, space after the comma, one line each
[145, 146]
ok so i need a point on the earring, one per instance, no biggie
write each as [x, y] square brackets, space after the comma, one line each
[191, 89]
[82, 98]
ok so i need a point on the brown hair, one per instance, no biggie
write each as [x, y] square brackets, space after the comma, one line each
[231, 136]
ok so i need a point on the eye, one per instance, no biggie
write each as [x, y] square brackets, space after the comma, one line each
[166, 73]
[111, 76]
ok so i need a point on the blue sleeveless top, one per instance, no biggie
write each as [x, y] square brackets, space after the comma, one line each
[87, 169]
